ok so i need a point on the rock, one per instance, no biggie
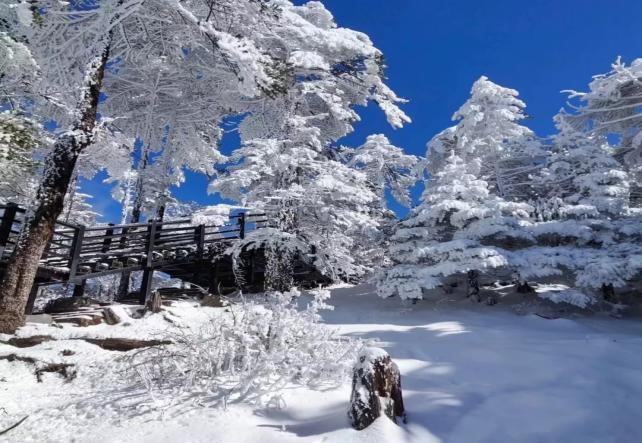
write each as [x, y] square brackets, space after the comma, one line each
[212, 301]
[82, 320]
[115, 315]
[376, 389]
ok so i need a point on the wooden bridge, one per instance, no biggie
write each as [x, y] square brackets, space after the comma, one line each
[77, 253]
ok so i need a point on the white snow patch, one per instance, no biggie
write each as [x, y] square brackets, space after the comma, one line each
[508, 378]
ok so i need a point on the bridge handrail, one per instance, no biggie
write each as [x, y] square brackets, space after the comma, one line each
[147, 245]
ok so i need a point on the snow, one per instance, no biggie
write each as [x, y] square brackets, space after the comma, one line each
[564, 294]
[470, 374]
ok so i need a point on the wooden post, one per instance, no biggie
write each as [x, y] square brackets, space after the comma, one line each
[242, 225]
[107, 241]
[123, 285]
[148, 273]
[145, 286]
[76, 248]
[32, 298]
[252, 267]
[151, 236]
[79, 289]
[8, 218]
[214, 280]
[199, 239]
[123, 238]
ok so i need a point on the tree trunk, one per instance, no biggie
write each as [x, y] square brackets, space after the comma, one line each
[608, 292]
[473, 285]
[38, 229]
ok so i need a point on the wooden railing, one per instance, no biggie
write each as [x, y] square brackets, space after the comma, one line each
[81, 252]
[10, 227]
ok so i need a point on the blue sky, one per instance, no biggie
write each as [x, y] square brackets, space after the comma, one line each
[435, 49]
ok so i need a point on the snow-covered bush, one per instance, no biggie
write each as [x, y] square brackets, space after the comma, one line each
[250, 353]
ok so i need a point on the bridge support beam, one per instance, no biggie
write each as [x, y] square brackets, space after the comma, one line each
[145, 286]
[32, 298]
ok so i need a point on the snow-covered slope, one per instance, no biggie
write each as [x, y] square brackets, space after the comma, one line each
[470, 374]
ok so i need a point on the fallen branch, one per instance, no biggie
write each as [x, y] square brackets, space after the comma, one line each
[14, 425]
[124, 344]
[13, 357]
[60, 368]
[27, 342]
[110, 344]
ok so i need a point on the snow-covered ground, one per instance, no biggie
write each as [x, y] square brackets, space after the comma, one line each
[471, 373]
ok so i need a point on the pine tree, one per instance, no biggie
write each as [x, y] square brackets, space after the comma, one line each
[450, 233]
[583, 226]
[389, 171]
[581, 170]
[387, 167]
[489, 139]
[611, 107]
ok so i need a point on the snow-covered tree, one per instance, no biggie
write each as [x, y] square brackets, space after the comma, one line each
[18, 69]
[582, 225]
[21, 141]
[456, 229]
[388, 168]
[581, 170]
[320, 200]
[78, 210]
[287, 164]
[611, 107]
[389, 171]
[489, 138]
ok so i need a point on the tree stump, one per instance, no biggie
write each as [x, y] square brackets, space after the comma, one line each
[376, 389]
[155, 302]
